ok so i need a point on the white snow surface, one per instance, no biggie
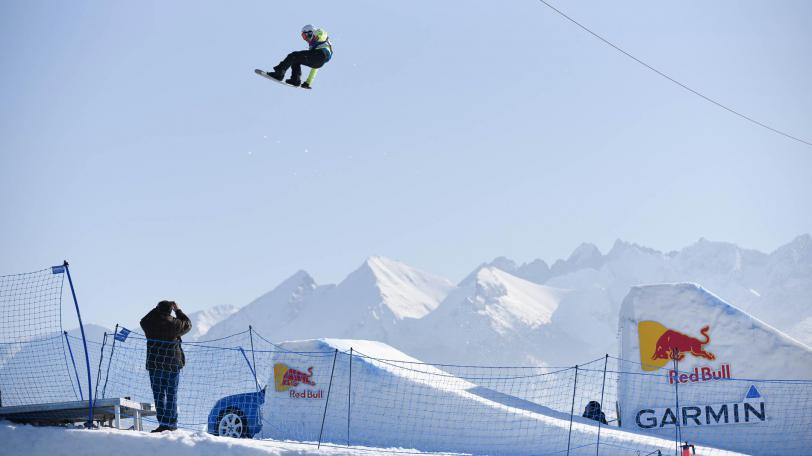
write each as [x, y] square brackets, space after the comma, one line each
[396, 403]
[50, 441]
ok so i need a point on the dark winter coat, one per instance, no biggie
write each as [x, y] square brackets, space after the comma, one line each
[163, 333]
[593, 412]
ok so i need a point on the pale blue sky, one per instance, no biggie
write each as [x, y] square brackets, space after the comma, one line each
[136, 141]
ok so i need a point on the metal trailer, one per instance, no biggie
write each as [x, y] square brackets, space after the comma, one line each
[109, 410]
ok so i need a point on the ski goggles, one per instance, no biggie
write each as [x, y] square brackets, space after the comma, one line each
[307, 36]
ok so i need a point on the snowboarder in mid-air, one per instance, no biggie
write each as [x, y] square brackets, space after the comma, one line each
[319, 53]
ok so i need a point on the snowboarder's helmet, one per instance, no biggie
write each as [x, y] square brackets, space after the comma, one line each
[308, 31]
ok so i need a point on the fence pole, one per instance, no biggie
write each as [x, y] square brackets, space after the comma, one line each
[677, 435]
[349, 400]
[98, 373]
[327, 400]
[109, 362]
[253, 358]
[76, 372]
[84, 342]
[603, 387]
[248, 363]
[572, 408]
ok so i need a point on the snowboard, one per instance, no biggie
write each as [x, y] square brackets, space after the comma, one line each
[264, 74]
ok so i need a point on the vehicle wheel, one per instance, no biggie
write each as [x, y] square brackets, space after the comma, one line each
[232, 423]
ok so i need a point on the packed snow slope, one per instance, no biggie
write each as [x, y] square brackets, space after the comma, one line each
[395, 401]
[45, 441]
[530, 313]
[724, 352]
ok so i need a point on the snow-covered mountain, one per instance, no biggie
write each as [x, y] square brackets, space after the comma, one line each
[775, 287]
[204, 320]
[490, 315]
[272, 311]
[504, 312]
[370, 303]
[93, 333]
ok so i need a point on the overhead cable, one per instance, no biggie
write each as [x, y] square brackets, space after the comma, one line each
[695, 92]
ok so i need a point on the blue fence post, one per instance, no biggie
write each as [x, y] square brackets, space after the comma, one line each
[75, 371]
[84, 342]
[253, 357]
[250, 367]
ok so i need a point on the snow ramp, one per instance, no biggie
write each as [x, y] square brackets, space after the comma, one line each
[696, 367]
[355, 392]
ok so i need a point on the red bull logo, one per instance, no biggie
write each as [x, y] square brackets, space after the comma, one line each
[659, 345]
[674, 345]
[287, 377]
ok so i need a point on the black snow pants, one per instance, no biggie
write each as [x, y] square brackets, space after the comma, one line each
[313, 58]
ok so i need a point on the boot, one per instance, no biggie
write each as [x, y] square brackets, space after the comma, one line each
[160, 428]
[305, 85]
[294, 82]
[276, 75]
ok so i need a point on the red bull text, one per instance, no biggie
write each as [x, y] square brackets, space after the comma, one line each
[700, 374]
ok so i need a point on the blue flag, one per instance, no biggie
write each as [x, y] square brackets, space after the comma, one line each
[122, 334]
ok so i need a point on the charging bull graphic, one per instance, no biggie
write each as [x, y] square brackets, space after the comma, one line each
[659, 345]
[674, 345]
[287, 377]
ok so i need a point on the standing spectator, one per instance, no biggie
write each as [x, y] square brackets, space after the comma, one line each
[165, 359]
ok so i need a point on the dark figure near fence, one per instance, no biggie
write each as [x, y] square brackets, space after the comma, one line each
[593, 412]
[165, 359]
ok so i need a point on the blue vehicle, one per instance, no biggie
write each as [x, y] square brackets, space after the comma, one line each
[238, 415]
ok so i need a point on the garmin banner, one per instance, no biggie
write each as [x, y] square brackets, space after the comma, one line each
[751, 410]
